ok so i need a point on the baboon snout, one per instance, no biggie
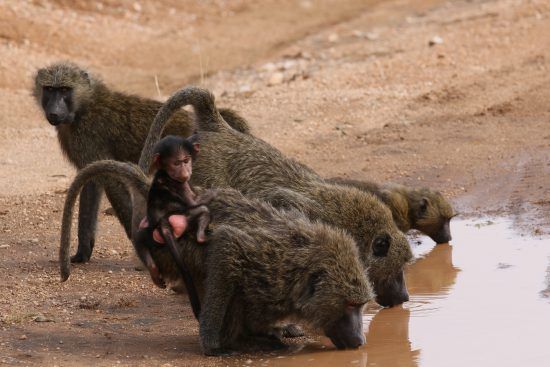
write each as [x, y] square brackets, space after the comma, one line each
[347, 332]
[392, 293]
[54, 118]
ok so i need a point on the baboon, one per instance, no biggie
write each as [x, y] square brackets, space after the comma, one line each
[259, 267]
[250, 165]
[422, 209]
[171, 194]
[94, 123]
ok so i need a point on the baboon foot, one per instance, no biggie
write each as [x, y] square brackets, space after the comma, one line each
[80, 257]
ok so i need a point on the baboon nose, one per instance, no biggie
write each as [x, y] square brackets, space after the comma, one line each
[53, 118]
[356, 341]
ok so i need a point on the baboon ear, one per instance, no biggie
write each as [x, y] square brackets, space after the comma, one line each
[85, 76]
[381, 245]
[196, 147]
[155, 163]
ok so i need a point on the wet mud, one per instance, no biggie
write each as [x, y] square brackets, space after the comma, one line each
[482, 300]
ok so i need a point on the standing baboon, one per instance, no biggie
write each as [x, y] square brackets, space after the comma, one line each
[248, 164]
[423, 209]
[259, 267]
[94, 123]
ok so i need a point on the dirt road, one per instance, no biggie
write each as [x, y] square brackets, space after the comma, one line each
[453, 95]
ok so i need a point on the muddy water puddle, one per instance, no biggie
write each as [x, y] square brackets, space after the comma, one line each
[483, 300]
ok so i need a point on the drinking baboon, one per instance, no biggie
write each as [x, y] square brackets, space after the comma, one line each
[250, 165]
[259, 267]
[93, 123]
[422, 209]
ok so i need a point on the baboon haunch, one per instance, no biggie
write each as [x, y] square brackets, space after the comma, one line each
[422, 209]
[259, 267]
[248, 164]
[94, 123]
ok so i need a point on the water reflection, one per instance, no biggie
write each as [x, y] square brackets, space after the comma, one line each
[483, 302]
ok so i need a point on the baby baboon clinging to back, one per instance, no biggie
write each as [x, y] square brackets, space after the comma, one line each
[94, 123]
[259, 267]
[171, 196]
[248, 164]
[423, 209]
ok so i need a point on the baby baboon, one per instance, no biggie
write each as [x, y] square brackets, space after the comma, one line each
[94, 123]
[260, 266]
[248, 164]
[423, 209]
[171, 196]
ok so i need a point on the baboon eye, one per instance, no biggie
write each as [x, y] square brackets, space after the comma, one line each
[423, 205]
[381, 245]
[314, 280]
[351, 305]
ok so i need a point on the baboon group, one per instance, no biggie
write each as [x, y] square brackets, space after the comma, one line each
[282, 247]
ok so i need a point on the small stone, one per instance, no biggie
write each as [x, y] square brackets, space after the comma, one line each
[436, 40]
[23, 337]
[137, 7]
[269, 67]
[371, 36]
[245, 88]
[4, 246]
[333, 37]
[114, 252]
[34, 240]
[42, 318]
[276, 78]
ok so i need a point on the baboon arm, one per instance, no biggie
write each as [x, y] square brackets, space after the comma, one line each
[121, 200]
[220, 288]
[90, 198]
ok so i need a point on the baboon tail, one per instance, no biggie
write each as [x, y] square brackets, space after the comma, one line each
[208, 117]
[127, 173]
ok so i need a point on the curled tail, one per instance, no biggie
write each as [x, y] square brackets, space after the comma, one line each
[208, 118]
[127, 173]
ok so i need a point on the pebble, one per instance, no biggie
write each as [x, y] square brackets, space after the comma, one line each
[333, 37]
[4, 246]
[23, 337]
[436, 40]
[41, 318]
[276, 78]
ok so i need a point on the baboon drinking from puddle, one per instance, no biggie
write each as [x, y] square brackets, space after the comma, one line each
[94, 123]
[248, 164]
[423, 209]
[258, 268]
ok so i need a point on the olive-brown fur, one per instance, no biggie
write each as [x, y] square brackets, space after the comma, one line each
[250, 165]
[260, 266]
[423, 209]
[107, 125]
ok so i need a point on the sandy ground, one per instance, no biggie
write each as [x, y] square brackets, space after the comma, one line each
[352, 88]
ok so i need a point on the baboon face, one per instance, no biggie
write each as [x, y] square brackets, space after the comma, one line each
[335, 290]
[433, 215]
[57, 103]
[389, 252]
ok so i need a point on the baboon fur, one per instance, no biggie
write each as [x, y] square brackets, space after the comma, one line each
[259, 267]
[232, 159]
[423, 209]
[106, 125]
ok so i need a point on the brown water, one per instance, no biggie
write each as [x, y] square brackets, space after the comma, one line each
[483, 300]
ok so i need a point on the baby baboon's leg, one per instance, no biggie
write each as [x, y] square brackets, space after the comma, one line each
[90, 197]
[203, 221]
[121, 201]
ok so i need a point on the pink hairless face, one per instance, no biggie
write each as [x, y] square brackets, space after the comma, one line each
[179, 166]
